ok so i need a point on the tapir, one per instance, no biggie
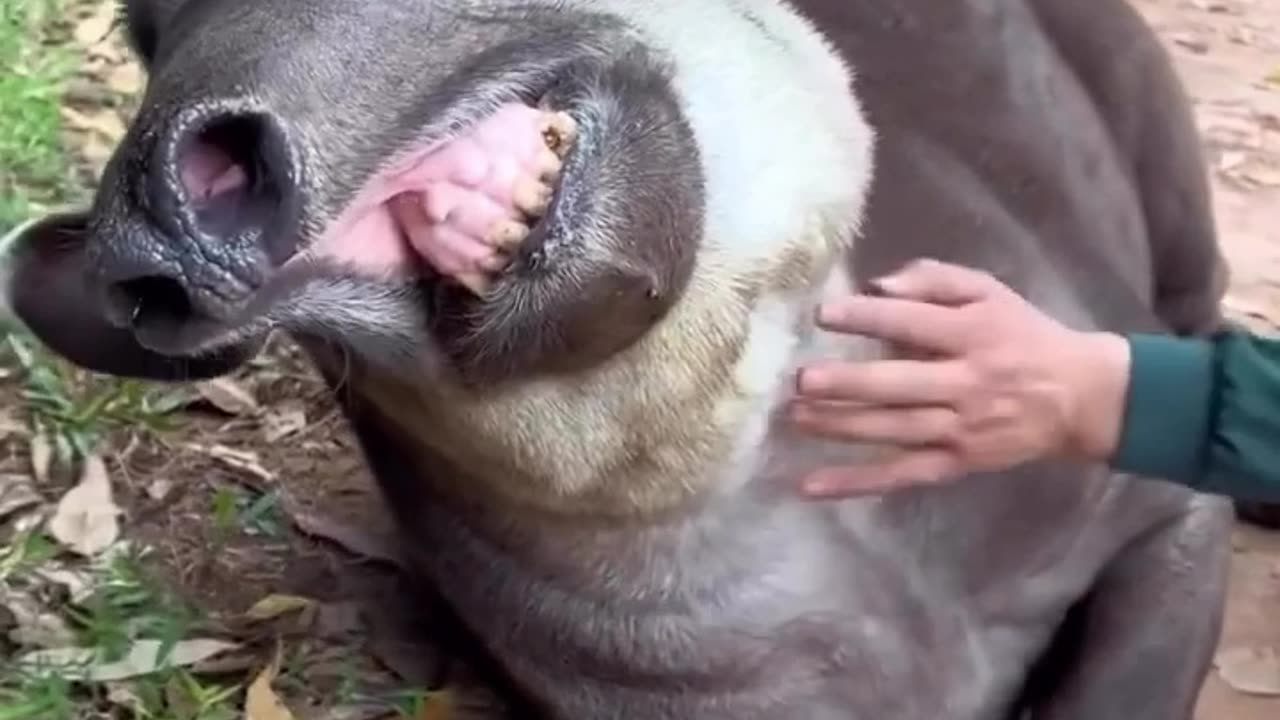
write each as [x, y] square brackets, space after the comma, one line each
[575, 415]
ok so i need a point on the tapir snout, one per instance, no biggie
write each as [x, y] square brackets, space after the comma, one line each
[206, 203]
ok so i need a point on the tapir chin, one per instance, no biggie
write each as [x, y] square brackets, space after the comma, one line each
[588, 457]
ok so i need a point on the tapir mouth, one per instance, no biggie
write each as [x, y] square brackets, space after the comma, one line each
[473, 171]
[365, 240]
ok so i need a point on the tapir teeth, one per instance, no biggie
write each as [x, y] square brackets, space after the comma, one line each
[506, 235]
[549, 165]
[477, 283]
[532, 197]
[559, 131]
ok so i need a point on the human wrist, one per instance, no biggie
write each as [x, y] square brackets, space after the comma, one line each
[1096, 417]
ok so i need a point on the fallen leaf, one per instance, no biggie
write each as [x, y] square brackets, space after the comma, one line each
[34, 626]
[86, 519]
[125, 79]
[159, 489]
[16, 493]
[82, 665]
[77, 583]
[228, 396]
[275, 605]
[11, 426]
[1250, 670]
[122, 695]
[260, 701]
[41, 458]
[284, 421]
[1191, 42]
[103, 122]
[227, 663]
[94, 28]
[246, 460]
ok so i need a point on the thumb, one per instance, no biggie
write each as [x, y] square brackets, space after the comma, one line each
[938, 282]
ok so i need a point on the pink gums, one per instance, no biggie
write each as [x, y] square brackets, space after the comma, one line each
[463, 187]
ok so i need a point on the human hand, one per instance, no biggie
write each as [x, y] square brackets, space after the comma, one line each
[1004, 384]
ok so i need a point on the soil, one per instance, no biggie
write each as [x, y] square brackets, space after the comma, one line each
[170, 484]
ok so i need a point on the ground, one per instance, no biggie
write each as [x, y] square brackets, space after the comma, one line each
[248, 495]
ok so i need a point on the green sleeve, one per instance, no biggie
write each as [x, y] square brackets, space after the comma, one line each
[1205, 413]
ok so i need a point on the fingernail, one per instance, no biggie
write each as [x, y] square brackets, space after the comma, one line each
[808, 381]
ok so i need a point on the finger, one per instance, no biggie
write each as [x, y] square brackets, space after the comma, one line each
[906, 426]
[905, 322]
[886, 382]
[934, 281]
[912, 469]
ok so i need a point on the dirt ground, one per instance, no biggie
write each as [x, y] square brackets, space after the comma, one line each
[312, 535]
[1228, 53]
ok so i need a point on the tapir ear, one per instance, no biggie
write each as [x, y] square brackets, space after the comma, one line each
[42, 286]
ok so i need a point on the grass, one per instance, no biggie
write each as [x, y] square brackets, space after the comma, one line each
[74, 413]
[73, 410]
[70, 408]
[33, 168]
[124, 606]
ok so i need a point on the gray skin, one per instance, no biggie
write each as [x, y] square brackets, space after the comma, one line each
[1047, 141]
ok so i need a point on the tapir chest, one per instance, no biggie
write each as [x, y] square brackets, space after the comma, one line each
[762, 610]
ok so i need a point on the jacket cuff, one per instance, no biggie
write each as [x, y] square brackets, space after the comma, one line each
[1167, 408]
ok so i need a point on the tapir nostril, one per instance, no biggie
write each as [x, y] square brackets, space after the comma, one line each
[233, 171]
[149, 299]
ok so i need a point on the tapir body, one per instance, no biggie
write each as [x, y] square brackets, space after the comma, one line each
[589, 461]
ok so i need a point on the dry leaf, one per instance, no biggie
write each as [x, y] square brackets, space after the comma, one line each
[86, 519]
[246, 460]
[94, 29]
[41, 458]
[1191, 42]
[125, 79]
[143, 658]
[35, 626]
[284, 421]
[275, 605]
[16, 493]
[159, 489]
[260, 701]
[228, 396]
[1252, 671]
[105, 123]
[11, 426]
[77, 583]
[122, 695]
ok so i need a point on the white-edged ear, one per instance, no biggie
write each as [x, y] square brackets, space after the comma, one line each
[9, 320]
